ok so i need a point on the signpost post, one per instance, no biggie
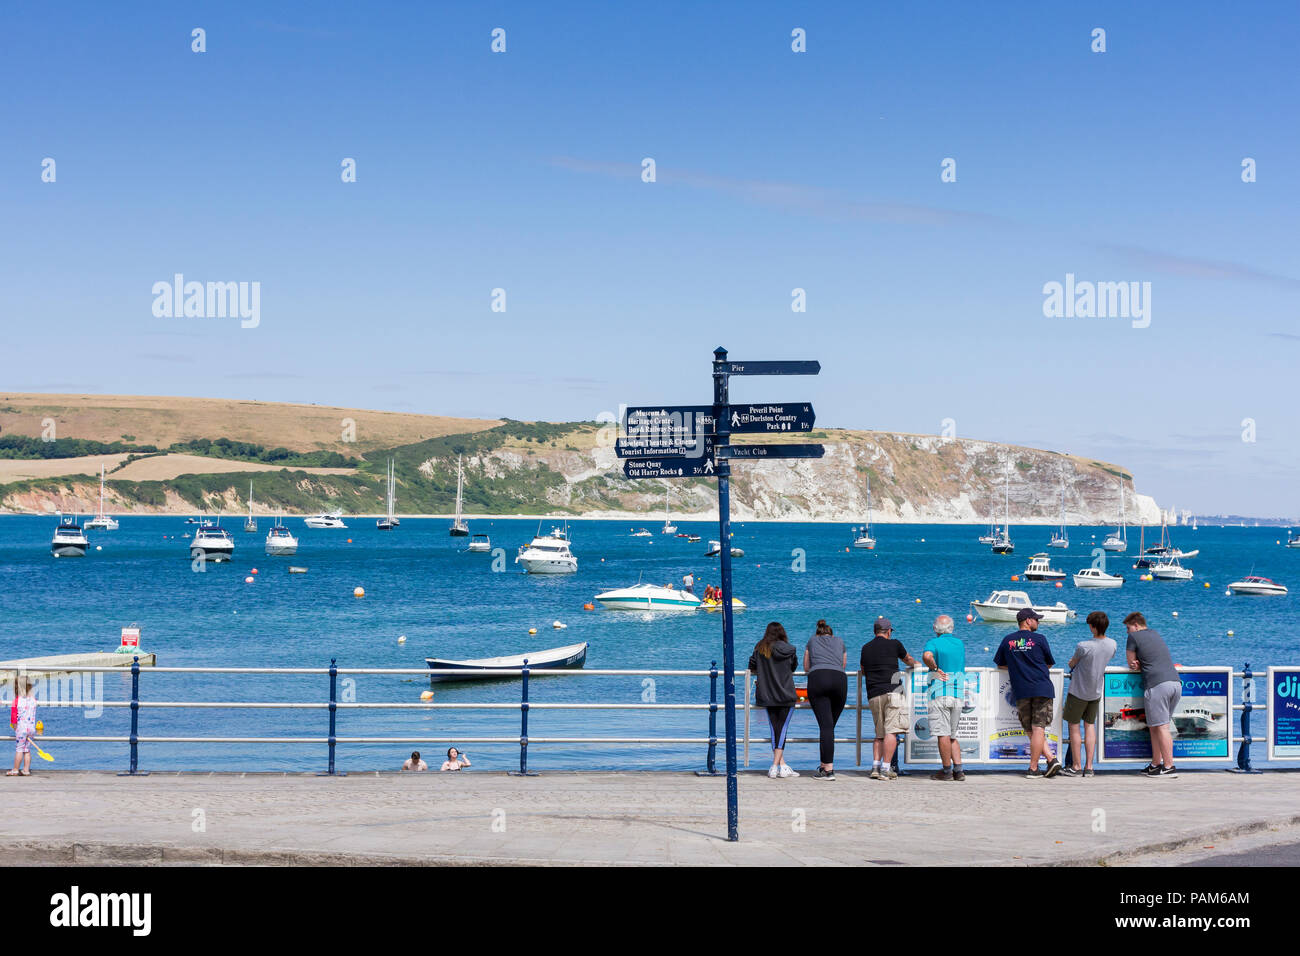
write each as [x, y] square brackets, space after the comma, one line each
[691, 441]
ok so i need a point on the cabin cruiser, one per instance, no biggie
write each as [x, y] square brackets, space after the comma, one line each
[479, 544]
[1254, 584]
[326, 519]
[1198, 722]
[280, 541]
[548, 554]
[1040, 569]
[69, 540]
[1170, 570]
[212, 544]
[1003, 606]
[648, 597]
[642, 533]
[715, 549]
[1097, 578]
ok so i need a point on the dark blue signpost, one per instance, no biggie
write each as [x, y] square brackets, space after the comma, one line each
[687, 441]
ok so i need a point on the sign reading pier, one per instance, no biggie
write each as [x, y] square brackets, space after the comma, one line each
[694, 441]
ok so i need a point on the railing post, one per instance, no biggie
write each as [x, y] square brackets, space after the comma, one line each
[710, 769]
[523, 728]
[1247, 704]
[134, 770]
[859, 727]
[334, 708]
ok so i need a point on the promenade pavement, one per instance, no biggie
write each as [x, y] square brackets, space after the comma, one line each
[656, 818]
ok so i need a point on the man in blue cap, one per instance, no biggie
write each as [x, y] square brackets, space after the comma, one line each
[1027, 659]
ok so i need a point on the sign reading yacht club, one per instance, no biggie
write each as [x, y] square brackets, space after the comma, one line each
[700, 439]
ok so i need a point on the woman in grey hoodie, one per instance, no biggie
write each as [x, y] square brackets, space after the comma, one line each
[774, 662]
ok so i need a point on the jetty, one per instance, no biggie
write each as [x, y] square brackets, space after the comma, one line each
[56, 665]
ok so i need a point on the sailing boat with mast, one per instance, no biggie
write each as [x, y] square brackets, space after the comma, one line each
[863, 538]
[669, 527]
[390, 522]
[101, 520]
[1003, 543]
[459, 529]
[250, 523]
[1117, 541]
[1061, 539]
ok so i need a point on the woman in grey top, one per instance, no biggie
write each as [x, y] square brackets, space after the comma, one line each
[824, 660]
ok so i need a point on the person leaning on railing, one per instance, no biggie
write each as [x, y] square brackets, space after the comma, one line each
[773, 663]
[824, 661]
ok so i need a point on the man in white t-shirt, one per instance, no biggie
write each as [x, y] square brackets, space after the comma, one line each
[1087, 672]
[415, 763]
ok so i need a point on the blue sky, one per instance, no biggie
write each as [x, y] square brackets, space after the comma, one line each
[775, 170]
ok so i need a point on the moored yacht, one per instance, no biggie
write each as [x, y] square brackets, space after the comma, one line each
[548, 554]
[991, 536]
[1002, 544]
[862, 537]
[326, 519]
[1117, 541]
[389, 521]
[69, 540]
[280, 541]
[212, 544]
[669, 527]
[250, 523]
[459, 529]
[101, 520]
[1061, 539]
[1170, 570]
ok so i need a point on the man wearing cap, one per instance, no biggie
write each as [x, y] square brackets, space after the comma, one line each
[1027, 659]
[885, 697]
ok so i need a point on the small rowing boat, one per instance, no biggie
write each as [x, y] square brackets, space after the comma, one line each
[555, 658]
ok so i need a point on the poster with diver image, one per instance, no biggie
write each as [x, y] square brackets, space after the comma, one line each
[1006, 739]
[921, 746]
[1201, 722]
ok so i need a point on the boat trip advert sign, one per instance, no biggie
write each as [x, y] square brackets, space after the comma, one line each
[1200, 722]
[921, 746]
[1284, 712]
[131, 637]
[1006, 739]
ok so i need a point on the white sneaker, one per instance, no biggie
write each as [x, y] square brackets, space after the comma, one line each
[772, 771]
[785, 771]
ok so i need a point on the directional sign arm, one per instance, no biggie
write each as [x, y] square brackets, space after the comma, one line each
[770, 451]
[772, 368]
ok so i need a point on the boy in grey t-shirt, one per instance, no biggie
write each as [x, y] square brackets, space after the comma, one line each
[1087, 670]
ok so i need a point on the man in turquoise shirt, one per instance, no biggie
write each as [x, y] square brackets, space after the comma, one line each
[946, 658]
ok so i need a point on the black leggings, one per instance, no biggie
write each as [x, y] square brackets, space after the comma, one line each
[827, 692]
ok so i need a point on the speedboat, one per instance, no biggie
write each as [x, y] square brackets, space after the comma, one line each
[212, 544]
[1170, 570]
[101, 520]
[548, 554]
[648, 597]
[1127, 718]
[715, 549]
[326, 519]
[1003, 606]
[1040, 569]
[280, 541]
[1097, 578]
[69, 540]
[555, 658]
[1254, 584]
[693, 538]
[480, 544]
[642, 533]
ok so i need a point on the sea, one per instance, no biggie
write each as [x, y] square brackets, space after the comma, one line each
[423, 585]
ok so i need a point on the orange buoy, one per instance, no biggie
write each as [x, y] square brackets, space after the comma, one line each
[1059, 584]
[254, 571]
[349, 540]
[970, 618]
[1015, 577]
[359, 592]
[589, 606]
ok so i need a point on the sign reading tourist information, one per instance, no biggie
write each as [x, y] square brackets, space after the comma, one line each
[666, 431]
[794, 417]
[771, 451]
[1283, 712]
[1200, 721]
[772, 368]
[680, 467]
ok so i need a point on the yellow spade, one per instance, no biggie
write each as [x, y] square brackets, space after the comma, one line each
[41, 753]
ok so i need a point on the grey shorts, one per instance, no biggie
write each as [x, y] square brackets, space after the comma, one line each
[1161, 701]
[944, 714]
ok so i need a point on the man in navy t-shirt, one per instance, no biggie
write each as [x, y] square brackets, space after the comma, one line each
[1027, 659]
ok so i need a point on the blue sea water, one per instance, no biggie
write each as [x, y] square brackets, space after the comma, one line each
[419, 582]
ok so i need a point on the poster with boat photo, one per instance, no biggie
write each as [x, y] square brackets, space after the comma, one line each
[1201, 721]
[1283, 712]
[1006, 739]
[921, 746]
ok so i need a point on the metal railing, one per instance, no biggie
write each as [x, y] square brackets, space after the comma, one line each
[524, 706]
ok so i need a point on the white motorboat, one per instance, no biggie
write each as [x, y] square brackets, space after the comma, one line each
[459, 529]
[1170, 570]
[480, 544]
[1061, 538]
[1293, 540]
[212, 544]
[1097, 578]
[101, 520]
[1117, 541]
[1002, 544]
[715, 549]
[280, 541]
[554, 658]
[669, 527]
[862, 536]
[389, 521]
[641, 533]
[69, 540]
[548, 554]
[648, 597]
[326, 519]
[250, 523]
[1254, 584]
[1198, 722]
[1040, 569]
[1003, 606]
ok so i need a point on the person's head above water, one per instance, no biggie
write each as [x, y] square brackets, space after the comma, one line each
[453, 753]
[415, 756]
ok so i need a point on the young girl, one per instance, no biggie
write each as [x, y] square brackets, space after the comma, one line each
[455, 760]
[773, 662]
[25, 726]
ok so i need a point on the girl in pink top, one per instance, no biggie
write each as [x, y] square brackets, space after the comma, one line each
[24, 727]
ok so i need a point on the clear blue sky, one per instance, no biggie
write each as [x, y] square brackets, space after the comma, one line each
[776, 170]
